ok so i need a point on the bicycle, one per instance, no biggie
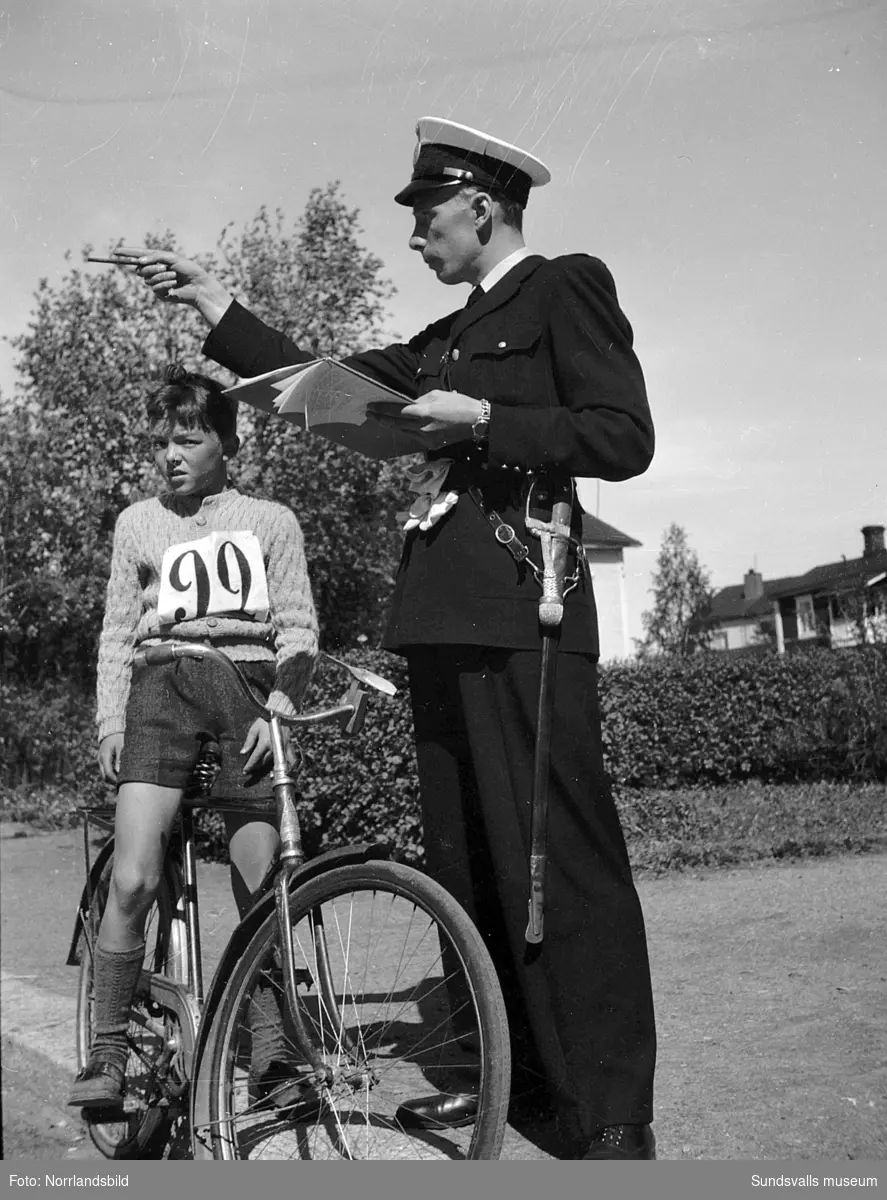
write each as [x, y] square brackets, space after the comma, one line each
[384, 987]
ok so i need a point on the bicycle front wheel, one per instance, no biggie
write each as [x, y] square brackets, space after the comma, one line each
[139, 1129]
[400, 1000]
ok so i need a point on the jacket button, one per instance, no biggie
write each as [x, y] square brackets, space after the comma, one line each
[454, 354]
[200, 520]
[502, 345]
[212, 622]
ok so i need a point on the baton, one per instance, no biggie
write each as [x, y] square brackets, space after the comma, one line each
[555, 538]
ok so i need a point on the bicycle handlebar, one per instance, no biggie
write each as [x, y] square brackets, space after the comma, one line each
[350, 712]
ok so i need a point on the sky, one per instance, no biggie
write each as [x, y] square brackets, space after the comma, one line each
[727, 159]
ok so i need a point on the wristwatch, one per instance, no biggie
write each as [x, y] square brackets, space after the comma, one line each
[481, 428]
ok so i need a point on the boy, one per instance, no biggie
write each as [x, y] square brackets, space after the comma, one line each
[202, 561]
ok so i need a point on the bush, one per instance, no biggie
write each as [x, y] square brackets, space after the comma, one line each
[713, 718]
[365, 788]
[47, 736]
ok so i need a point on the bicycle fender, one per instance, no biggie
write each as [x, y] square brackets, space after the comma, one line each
[95, 874]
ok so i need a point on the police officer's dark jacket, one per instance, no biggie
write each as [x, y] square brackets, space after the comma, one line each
[551, 350]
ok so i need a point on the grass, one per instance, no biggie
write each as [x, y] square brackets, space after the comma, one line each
[751, 822]
[665, 830]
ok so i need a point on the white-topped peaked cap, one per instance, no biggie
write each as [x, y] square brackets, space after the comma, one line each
[449, 155]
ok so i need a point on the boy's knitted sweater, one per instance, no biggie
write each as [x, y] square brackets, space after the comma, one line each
[144, 533]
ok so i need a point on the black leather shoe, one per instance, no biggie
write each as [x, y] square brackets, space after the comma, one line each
[622, 1141]
[438, 1112]
[98, 1085]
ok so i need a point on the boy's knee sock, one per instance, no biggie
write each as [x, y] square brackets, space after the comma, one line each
[245, 899]
[269, 1041]
[115, 975]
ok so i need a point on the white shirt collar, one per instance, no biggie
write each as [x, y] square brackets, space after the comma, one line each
[502, 268]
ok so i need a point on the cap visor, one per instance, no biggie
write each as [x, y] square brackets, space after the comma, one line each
[417, 186]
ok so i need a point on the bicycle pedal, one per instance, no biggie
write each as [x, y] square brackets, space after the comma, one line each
[304, 978]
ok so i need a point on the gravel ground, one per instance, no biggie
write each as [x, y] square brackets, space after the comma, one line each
[770, 986]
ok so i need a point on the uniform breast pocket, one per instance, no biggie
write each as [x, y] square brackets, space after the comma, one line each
[504, 361]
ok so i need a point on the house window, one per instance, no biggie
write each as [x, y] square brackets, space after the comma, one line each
[806, 617]
[720, 639]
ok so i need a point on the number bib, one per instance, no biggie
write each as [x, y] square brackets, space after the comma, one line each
[222, 574]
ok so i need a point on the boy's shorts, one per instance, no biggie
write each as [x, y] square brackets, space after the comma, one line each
[174, 709]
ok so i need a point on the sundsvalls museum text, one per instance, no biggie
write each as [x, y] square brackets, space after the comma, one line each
[768, 1181]
[63, 1181]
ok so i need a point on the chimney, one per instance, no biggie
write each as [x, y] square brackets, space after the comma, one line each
[753, 584]
[872, 540]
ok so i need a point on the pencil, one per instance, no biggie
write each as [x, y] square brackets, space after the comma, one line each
[115, 262]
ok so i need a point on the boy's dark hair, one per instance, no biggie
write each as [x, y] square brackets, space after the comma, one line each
[194, 400]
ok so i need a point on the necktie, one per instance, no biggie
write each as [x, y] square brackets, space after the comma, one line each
[473, 296]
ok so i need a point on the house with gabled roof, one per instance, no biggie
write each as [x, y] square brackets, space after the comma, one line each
[741, 616]
[836, 604]
[605, 548]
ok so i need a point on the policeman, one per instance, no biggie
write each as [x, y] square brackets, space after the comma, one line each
[532, 383]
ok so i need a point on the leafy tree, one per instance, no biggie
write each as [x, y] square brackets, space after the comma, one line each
[72, 451]
[72, 455]
[681, 594]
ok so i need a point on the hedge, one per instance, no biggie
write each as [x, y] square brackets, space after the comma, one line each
[716, 718]
[668, 724]
[352, 788]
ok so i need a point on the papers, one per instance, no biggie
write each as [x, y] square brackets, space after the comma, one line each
[332, 399]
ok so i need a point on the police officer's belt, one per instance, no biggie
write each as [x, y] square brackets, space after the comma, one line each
[506, 536]
[502, 531]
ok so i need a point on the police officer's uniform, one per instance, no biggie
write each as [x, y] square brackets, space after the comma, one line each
[550, 349]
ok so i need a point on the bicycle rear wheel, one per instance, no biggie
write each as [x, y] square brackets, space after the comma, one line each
[138, 1131]
[400, 999]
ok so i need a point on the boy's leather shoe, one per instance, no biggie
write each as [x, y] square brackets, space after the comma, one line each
[98, 1085]
[438, 1112]
[622, 1141]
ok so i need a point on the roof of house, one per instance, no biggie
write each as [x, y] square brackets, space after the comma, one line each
[730, 603]
[598, 534]
[845, 575]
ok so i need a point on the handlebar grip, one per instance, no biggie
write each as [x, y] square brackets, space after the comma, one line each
[155, 656]
[352, 723]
